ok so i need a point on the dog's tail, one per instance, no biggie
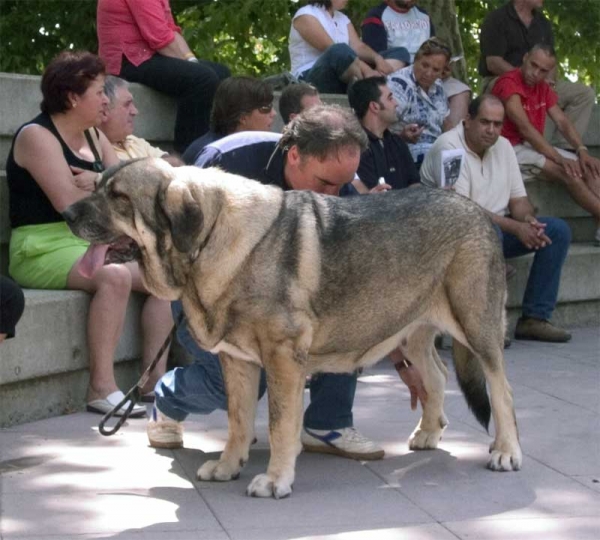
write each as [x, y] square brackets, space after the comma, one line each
[471, 380]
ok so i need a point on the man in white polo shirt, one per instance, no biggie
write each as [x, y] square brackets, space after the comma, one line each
[488, 173]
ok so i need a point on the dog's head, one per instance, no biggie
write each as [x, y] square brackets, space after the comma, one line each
[144, 211]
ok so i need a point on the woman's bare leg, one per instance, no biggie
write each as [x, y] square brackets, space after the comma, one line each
[110, 288]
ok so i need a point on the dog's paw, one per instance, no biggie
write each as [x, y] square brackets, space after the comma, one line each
[264, 486]
[218, 471]
[424, 440]
[506, 458]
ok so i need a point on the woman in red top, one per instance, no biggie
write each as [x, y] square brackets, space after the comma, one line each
[140, 42]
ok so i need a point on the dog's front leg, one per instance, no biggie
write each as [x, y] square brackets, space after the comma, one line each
[285, 380]
[241, 382]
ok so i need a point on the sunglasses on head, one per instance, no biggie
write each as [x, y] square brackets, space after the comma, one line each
[265, 109]
[434, 43]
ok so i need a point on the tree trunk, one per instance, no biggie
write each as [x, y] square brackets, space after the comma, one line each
[443, 16]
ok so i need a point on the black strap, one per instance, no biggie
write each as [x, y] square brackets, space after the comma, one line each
[93, 148]
[134, 394]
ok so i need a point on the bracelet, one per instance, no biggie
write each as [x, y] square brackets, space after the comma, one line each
[189, 55]
[580, 148]
[405, 363]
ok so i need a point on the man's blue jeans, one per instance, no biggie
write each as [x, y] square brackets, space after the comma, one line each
[541, 292]
[199, 388]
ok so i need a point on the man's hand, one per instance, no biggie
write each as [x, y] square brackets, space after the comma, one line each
[410, 377]
[380, 188]
[589, 164]
[411, 133]
[570, 166]
[532, 234]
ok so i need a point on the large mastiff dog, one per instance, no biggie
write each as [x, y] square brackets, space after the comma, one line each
[297, 282]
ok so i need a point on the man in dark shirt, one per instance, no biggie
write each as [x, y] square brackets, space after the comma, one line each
[318, 151]
[507, 34]
[387, 155]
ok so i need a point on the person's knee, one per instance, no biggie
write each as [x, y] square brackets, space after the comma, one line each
[339, 56]
[558, 231]
[115, 278]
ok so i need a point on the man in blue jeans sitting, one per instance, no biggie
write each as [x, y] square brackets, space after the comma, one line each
[199, 388]
[489, 175]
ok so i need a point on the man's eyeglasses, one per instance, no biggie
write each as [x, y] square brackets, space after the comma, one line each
[265, 109]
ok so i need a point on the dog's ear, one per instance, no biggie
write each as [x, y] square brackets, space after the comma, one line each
[183, 213]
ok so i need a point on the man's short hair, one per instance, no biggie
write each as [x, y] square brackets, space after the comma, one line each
[290, 101]
[546, 47]
[111, 85]
[235, 97]
[322, 131]
[363, 92]
[476, 103]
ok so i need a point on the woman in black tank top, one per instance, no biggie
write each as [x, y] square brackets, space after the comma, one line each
[55, 160]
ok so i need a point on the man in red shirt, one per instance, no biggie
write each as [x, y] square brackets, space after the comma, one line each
[527, 98]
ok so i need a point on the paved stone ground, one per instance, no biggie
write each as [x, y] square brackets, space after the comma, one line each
[59, 479]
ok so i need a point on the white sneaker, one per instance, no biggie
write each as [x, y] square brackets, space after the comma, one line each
[164, 432]
[347, 442]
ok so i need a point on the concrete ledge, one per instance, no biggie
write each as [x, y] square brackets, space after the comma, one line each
[51, 336]
[63, 393]
[580, 280]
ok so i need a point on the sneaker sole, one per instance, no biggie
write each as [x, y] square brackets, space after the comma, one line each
[166, 445]
[371, 456]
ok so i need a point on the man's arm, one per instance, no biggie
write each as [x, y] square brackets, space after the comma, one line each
[588, 163]
[373, 32]
[497, 65]
[516, 112]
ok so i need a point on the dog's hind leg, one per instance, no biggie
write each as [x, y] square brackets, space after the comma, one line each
[420, 350]
[286, 370]
[241, 382]
[478, 299]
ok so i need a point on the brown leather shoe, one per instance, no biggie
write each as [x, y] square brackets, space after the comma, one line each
[540, 330]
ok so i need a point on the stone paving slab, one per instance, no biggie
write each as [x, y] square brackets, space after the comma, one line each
[61, 480]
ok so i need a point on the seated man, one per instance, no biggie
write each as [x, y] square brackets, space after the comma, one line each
[387, 155]
[117, 124]
[528, 98]
[240, 104]
[401, 23]
[490, 176]
[296, 98]
[320, 151]
[507, 34]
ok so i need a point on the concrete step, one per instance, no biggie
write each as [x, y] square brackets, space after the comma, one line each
[552, 199]
[579, 293]
[46, 364]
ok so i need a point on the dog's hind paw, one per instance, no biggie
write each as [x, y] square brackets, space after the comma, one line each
[218, 471]
[264, 486]
[505, 460]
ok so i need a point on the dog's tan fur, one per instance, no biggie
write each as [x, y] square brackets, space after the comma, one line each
[297, 283]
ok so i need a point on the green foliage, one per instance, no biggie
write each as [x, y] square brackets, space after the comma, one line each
[251, 35]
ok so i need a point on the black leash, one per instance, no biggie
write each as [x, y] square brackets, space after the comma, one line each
[135, 393]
